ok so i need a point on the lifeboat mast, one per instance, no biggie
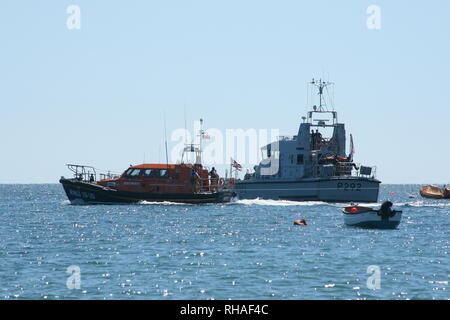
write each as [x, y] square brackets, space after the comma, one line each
[195, 148]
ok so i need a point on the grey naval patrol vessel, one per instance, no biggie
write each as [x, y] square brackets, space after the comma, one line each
[310, 166]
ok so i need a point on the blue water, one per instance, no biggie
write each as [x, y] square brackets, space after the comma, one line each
[244, 250]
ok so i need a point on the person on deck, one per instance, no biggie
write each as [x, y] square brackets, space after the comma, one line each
[313, 140]
[318, 139]
[214, 179]
[194, 180]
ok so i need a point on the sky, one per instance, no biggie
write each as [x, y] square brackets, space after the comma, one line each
[98, 95]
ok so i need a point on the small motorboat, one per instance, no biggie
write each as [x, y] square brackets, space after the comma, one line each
[435, 192]
[365, 217]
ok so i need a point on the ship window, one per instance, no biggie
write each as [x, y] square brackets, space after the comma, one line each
[152, 173]
[300, 159]
[134, 173]
[163, 173]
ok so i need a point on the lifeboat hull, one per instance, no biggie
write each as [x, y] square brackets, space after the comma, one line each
[81, 192]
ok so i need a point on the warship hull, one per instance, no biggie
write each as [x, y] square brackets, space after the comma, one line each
[340, 190]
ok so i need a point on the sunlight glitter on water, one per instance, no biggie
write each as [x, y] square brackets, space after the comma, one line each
[281, 203]
[249, 249]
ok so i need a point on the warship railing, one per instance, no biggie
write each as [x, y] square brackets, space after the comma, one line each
[347, 169]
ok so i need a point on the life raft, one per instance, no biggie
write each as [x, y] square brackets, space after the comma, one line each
[434, 192]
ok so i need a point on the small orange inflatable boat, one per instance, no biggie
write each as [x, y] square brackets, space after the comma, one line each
[434, 192]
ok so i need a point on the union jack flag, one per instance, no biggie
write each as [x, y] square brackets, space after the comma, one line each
[236, 165]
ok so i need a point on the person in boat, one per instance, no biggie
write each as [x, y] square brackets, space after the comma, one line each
[214, 179]
[80, 177]
[91, 178]
[386, 210]
[248, 175]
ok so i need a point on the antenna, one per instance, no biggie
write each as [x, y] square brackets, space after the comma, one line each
[321, 85]
[165, 139]
[201, 134]
[185, 125]
[159, 153]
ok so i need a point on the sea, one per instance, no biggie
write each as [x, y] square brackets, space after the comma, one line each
[247, 249]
